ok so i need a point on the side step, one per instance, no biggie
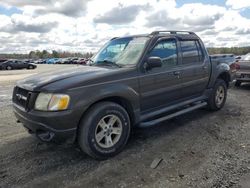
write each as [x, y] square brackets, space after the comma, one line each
[161, 119]
[152, 114]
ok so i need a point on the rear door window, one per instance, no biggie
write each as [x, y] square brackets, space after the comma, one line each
[191, 52]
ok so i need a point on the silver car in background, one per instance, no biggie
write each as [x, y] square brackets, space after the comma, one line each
[243, 73]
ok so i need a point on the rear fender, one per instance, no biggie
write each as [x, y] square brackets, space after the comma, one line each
[219, 70]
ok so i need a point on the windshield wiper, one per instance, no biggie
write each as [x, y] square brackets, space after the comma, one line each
[108, 62]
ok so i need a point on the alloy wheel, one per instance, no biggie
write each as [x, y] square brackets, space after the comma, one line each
[108, 131]
[220, 95]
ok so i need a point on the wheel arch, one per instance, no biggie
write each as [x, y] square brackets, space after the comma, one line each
[225, 76]
[6, 65]
[124, 102]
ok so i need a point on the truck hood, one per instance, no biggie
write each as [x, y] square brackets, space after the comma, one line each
[38, 81]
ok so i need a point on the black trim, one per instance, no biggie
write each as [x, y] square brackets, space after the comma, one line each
[169, 116]
[169, 108]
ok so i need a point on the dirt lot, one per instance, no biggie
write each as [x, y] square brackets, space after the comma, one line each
[199, 149]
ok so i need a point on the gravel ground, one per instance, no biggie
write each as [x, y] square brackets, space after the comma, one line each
[199, 149]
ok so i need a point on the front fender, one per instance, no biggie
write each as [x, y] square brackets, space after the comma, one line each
[83, 98]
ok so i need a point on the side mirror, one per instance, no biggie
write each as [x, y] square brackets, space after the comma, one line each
[153, 62]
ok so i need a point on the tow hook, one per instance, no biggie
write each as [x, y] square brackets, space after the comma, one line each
[45, 136]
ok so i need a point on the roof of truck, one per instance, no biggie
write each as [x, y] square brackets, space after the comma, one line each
[183, 35]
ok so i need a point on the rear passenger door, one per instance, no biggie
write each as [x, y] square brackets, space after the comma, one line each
[161, 86]
[21, 64]
[194, 68]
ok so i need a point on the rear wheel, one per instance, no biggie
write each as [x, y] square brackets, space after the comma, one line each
[30, 67]
[104, 131]
[237, 83]
[218, 96]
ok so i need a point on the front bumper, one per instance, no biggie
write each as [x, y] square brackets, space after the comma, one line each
[48, 126]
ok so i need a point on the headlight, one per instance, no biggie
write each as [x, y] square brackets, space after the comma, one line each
[52, 102]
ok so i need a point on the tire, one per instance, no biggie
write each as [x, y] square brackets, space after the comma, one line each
[95, 122]
[30, 67]
[218, 96]
[8, 67]
[237, 83]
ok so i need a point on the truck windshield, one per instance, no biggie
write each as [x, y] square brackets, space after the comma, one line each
[121, 51]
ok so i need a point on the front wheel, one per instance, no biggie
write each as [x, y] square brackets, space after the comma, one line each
[218, 96]
[104, 131]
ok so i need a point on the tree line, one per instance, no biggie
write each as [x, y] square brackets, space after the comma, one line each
[233, 50]
[44, 54]
[55, 54]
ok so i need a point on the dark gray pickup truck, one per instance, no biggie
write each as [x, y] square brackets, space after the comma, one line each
[132, 81]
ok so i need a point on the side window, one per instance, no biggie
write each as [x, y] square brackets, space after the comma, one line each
[190, 52]
[201, 55]
[167, 51]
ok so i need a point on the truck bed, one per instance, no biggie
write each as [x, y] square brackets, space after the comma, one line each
[223, 58]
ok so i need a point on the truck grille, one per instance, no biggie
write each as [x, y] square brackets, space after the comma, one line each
[21, 97]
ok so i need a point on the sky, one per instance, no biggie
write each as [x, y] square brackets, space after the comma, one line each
[85, 25]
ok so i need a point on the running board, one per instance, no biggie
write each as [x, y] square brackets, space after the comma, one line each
[152, 114]
[161, 119]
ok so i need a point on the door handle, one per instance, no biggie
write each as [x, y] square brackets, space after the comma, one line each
[177, 73]
[204, 67]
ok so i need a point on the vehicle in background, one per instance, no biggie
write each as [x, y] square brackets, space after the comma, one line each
[57, 60]
[82, 61]
[17, 64]
[243, 72]
[237, 58]
[139, 80]
[40, 61]
[65, 60]
[79, 61]
[3, 60]
[61, 61]
[52, 60]
[74, 60]
[69, 60]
